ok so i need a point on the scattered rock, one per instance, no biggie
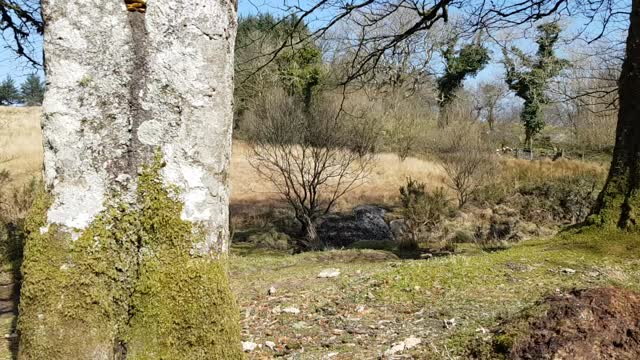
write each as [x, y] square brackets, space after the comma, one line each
[248, 346]
[271, 291]
[594, 273]
[407, 344]
[568, 271]
[411, 342]
[270, 344]
[398, 229]
[395, 348]
[329, 273]
[291, 310]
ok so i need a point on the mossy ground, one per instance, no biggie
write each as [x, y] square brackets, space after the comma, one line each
[379, 300]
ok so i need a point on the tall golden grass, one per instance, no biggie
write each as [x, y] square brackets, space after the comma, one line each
[21, 151]
[20, 143]
[382, 185]
[518, 170]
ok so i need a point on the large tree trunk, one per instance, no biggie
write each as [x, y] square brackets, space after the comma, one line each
[619, 201]
[125, 256]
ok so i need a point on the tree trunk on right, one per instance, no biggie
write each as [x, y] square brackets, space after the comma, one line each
[619, 202]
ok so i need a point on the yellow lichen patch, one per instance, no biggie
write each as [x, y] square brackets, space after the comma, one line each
[136, 5]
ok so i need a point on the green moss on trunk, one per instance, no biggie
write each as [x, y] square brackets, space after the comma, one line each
[619, 202]
[126, 287]
[181, 307]
[611, 205]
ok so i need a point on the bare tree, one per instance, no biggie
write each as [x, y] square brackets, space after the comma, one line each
[308, 156]
[586, 98]
[488, 99]
[21, 24]
[370, 46]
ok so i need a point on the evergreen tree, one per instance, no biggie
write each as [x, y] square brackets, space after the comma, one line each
[300, 71]
[32, 90]
[466, 61]
[530, 82]
[9, 94]
[272, 52]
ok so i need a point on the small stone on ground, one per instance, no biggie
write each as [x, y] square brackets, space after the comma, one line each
[248, 346]
[329, 273]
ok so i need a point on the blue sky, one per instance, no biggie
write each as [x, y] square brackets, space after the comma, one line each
[19, 69]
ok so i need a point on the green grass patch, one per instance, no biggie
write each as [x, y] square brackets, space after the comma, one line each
[479, 289]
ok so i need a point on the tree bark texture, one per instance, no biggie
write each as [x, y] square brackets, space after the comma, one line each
[619, 202]
[125, 253]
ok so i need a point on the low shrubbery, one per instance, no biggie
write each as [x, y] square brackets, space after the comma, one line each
[561, 198]
[15, 202]
[423, 212]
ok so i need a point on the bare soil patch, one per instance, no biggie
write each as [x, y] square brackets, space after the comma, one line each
[599, 323]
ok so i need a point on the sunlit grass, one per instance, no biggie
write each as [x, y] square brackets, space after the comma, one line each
[479, 289]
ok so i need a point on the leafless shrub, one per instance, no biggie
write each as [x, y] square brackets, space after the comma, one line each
[309, 156]
[466, 159]
[407, 124]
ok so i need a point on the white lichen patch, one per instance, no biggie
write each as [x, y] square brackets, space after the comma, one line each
[196, 205]
[150, 132]
[77, 203]
[193, 175]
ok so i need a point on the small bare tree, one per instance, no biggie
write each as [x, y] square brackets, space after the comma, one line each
[488, 99]
[312, 157]
[466, 160]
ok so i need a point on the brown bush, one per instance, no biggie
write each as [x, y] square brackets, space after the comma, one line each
[308, 155]
[466, 159]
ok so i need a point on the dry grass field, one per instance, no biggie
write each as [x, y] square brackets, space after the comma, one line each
[20, 142]
[21, 154]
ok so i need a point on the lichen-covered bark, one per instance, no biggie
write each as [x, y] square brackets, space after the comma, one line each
[128, 287]
[125, 255]
[619, 201]
[120, 85]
